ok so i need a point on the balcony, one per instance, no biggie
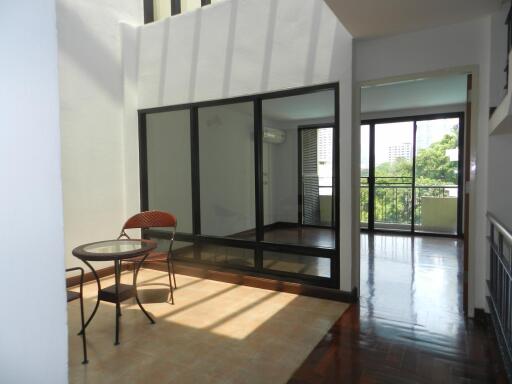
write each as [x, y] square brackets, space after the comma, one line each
[435, 206]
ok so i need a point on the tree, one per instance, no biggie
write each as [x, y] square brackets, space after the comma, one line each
[393, 198]
[433, 166]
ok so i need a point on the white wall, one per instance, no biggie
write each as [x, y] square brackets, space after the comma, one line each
[91, 113]
[242, 47]
[500, 155]
[33, 334]
[500, 182]
[499, 50]
[284, 181]
[226, 169]
[464, 45]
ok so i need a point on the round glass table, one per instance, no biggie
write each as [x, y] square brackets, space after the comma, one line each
[116, 251]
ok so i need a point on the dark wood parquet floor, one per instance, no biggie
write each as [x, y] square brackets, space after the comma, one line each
[409, 326]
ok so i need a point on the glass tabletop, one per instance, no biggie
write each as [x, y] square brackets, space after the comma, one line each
[115, 246]
[114, 249]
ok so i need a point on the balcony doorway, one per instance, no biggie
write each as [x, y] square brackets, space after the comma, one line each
[412, 155]
[411, 176]
[316, 202]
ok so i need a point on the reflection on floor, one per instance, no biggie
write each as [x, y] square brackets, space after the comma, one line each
[409, 326]
[293, 234]
[413, 279]
[274, 261]
[304, 265]
[215, 333]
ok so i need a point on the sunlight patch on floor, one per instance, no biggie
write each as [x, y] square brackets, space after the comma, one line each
[215, 332]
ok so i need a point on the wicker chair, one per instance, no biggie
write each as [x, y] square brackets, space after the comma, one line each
[153, 219]
[71, 296]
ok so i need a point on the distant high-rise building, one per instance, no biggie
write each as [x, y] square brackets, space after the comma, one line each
[401, 151]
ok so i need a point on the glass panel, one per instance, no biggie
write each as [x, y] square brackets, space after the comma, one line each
[227, 181]
[365, 173]
[190, 5]
[161, 9]
[393, 175]
[180, 249]
[169, 169]
[227, 256]
[324, 174]
[210, 253]
[306, 265]
[298, 187]
[437, 162]
[115, 246]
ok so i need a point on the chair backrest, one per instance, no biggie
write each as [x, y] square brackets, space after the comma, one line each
[149, 219]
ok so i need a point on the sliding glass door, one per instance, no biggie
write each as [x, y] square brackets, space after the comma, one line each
[393, 175]
[411, 174]
[316, 176]
[438, 176]
[252, 181]
[366, 213]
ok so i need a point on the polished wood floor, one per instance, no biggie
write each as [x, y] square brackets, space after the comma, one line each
[409, 326]
[297, 235]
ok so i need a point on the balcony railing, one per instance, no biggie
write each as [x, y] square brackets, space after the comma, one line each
[435, 205]
[500, 287]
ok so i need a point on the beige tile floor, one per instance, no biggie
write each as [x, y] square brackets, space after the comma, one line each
[215, 333]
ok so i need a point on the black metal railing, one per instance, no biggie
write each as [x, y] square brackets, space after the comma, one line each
[393, 199]
[500, 286]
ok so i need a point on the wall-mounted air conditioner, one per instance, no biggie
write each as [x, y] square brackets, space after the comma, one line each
[273, 135]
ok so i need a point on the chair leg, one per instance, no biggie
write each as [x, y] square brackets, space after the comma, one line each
[84, 341]
[120, 271]
[170, 280]
[173, 273]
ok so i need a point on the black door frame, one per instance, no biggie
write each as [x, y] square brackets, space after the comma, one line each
[371, 179]
[259, 245]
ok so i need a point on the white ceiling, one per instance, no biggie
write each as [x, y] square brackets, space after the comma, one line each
[411, 94]
[373, 18]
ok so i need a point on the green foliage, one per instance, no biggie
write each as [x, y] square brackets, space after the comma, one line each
[398, 168]
[433, 167]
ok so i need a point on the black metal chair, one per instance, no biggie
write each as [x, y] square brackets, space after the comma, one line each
[71, 296]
